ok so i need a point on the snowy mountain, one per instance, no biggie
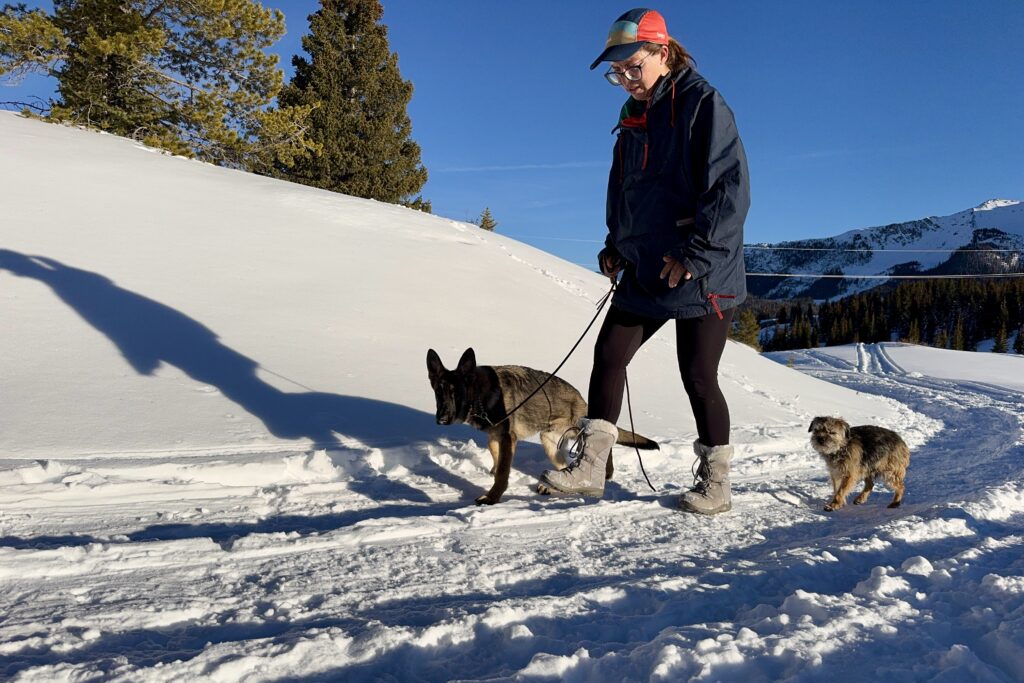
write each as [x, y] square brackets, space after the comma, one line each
[986, 239]
[219, 461]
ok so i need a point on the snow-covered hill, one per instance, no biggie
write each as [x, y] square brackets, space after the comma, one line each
[224, 312]
[986, 239]
[218, 461]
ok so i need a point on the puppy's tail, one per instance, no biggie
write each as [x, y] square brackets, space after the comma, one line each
[628, 438]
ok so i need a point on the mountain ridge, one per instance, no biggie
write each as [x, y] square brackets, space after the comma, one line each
[988, 238]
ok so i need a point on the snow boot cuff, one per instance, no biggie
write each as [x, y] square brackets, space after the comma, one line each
[595, 426]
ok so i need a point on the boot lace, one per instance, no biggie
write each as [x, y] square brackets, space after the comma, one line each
[579, 442]
[701, 471]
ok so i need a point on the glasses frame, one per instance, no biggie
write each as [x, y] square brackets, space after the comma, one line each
[617, 78]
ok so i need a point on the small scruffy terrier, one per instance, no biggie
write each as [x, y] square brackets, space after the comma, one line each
[855, 453]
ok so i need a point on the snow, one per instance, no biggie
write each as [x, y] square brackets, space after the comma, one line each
[1003, 372]
[218, 461]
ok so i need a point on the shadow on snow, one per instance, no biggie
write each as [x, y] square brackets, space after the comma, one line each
[148, 333]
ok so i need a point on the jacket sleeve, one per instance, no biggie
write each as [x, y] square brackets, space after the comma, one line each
[723, 191]
[611, 205]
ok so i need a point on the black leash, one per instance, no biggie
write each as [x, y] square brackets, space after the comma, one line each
[629, 407]
[600, 307]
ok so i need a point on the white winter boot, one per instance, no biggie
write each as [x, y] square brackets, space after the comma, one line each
[710, 493]
[585, 475]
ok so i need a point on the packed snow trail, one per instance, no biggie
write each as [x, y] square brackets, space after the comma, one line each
[324, 583]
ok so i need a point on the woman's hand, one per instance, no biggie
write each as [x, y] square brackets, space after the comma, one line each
[674, 271]
[610, 262]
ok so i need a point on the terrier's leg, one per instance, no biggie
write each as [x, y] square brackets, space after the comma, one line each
[846, 484]
[899, 487]
[869, 483]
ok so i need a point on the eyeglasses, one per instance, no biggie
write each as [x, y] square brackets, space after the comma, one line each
[633, 73]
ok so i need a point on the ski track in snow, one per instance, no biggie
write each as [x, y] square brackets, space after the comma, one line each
[319, 566]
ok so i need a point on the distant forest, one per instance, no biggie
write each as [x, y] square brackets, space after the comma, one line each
[950, 314]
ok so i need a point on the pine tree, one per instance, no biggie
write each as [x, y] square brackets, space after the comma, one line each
[486, 220]
[748, 331]
[783, 316]
[914, 334]
[360, 121]
[959, 341]
[1018, 343]
[806, 335]
[942, 339]
[190, 76]
[1000, 345]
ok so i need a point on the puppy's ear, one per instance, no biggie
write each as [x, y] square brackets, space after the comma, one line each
[846, 431]
[467, 363]
[435, 368]
[814, 423]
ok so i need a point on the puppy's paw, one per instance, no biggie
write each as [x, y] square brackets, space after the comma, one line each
[830, 507]
[895, 504]
[492, 496]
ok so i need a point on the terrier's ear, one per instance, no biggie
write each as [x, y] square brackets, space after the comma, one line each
[846, 431]
[816, 421]
[467, 363]
[435, 368]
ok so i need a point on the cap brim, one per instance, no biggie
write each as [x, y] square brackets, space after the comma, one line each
[617, 53]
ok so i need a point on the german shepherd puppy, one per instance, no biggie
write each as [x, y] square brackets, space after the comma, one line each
[482, 397]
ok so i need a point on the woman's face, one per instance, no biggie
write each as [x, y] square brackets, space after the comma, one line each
[651, 66]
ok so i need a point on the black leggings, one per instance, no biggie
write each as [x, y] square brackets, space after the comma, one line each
[699, 346]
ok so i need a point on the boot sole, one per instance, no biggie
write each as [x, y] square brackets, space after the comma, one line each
[546, 487]
[685, 506]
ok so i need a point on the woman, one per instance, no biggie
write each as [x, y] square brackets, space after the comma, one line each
[677, 197]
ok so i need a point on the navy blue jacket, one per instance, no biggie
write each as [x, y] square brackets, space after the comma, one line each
[679, 186]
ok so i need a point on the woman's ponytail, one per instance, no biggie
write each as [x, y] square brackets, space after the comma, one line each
[678, 57]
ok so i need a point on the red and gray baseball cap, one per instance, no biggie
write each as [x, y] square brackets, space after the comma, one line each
[630, 32]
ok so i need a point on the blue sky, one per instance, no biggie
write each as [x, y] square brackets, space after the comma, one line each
[853, 114]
